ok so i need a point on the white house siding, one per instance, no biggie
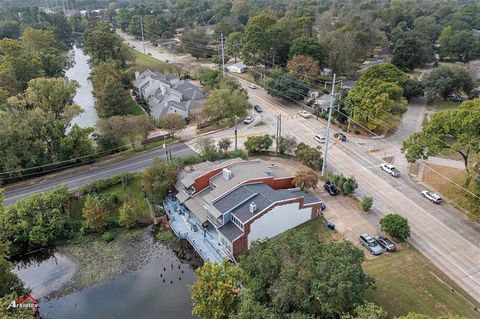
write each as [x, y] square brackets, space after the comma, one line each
[278, 220]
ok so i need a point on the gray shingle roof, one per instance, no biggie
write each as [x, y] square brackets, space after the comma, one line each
[238, 201]
[230, 231]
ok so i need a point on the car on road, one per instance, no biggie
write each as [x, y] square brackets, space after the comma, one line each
[133, 46]
[257, 108]
[319, 138]
[330, 188]
[371, 244]
[390, 169]
[148, 53]
[304, 114]
[431, 196]
[455, 98]
[386, 243]
[252, 86]
[340, 136]
[248, 120]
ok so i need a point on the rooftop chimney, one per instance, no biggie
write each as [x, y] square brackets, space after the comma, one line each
[253, 207]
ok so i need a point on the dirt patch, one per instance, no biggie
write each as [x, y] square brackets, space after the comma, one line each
[440, 177]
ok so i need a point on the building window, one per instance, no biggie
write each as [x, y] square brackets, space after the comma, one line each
[226, 244]
[237, 222]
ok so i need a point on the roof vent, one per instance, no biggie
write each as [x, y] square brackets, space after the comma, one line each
[253, 207]
[269, 171]
[227, 174]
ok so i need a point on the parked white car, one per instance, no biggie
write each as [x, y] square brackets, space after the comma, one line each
[304, 114]
[431, 196]
[390, 169]
[319, 138]
[252, 86]
[248, 120]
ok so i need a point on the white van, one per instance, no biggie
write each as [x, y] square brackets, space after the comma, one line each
[319, 138]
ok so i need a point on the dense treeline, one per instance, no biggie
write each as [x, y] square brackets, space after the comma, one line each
[36, 104]
[36, 100]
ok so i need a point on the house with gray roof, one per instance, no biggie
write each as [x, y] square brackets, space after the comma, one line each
[236, 202]
[167, 93]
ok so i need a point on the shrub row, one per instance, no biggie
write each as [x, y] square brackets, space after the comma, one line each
[103, 184]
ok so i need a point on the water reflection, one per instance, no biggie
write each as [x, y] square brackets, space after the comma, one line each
[157, 288]
[80, 71]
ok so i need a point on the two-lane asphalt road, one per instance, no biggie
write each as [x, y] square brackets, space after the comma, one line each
[73, 181]
[440, 232]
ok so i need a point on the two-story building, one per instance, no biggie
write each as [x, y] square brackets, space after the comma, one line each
[166, 93]
[236, 202]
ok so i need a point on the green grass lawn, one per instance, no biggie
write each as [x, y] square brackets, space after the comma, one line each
[441, 105]
[136, 109]
[405, 282]
[143, 62]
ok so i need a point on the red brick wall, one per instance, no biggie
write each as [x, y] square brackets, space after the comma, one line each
[203, 181]
[275, 183]
[240, 245]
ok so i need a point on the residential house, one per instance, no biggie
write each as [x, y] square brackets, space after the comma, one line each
[166, 93]
[237, 68]
[234, 203]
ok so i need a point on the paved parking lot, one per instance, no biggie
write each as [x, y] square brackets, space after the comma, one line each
[348, 219]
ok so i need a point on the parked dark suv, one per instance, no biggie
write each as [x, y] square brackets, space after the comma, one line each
[330, 188]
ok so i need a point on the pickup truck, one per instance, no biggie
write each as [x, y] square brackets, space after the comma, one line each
[390, 169]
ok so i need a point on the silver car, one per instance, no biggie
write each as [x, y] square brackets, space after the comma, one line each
[371, 244]
[434, 198]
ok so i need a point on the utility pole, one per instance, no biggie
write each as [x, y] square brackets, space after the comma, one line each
[143, 38]
[236, 131]
[279, 132]
[223, 56]
[332, 98]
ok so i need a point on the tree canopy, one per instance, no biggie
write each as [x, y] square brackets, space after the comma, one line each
[215, 292]
[377, 99]
[297, 274]
[444, 81]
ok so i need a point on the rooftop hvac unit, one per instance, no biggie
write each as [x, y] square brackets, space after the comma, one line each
[253, 207]
[227, 174]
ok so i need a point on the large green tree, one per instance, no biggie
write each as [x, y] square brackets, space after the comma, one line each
[461, 45]
[444, 81]
[226, 103]
[158, 179]
[309, 47]
[297, 274]
[457, 129]
[102, 44]
[112, 97]
[395, 225]
[288, 86]
[215, 292]
[36, 221]
[376, 100]
[53, 100]
[262, 40]
[412, 51]
[233, 44]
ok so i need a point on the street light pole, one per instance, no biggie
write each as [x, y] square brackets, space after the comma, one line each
[143, 38]
[223, 57]
[332, 98]
[236, 130]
